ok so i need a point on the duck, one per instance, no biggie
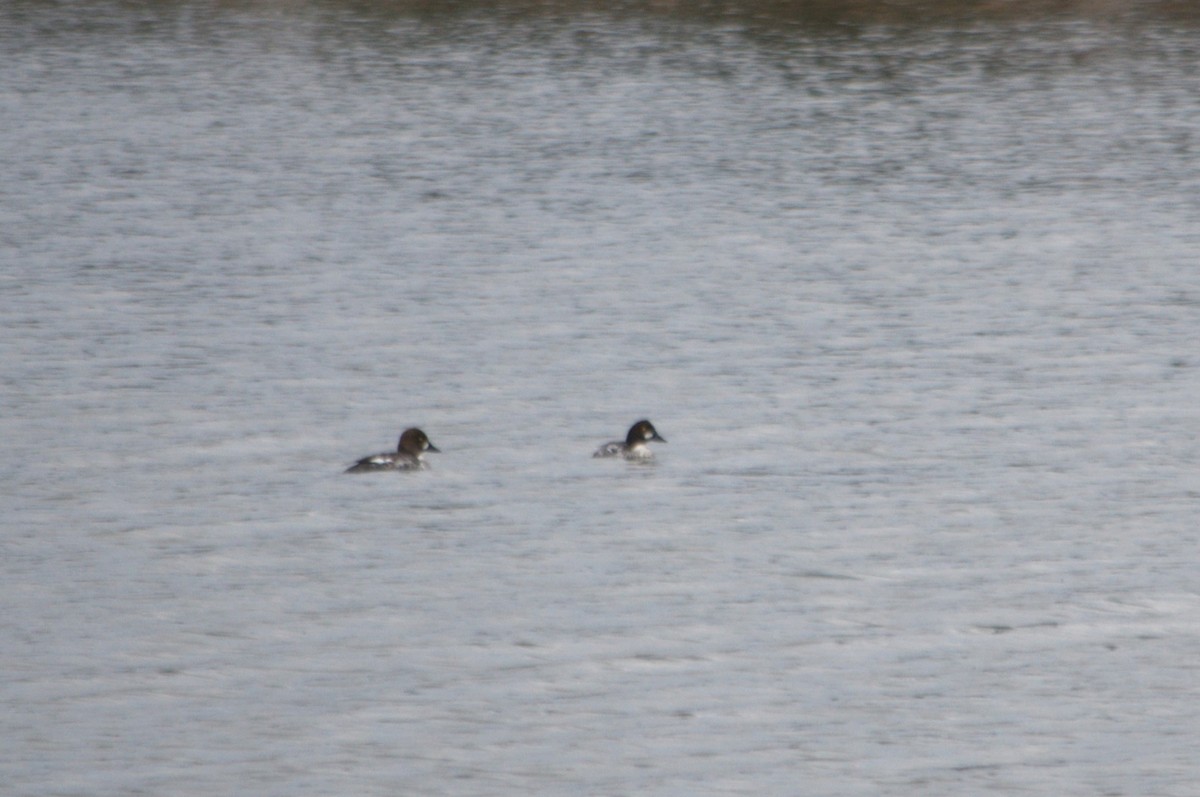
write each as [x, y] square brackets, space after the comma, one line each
[633, 447]
[407, 456]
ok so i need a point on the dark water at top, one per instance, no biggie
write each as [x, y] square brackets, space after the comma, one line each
[910, 288]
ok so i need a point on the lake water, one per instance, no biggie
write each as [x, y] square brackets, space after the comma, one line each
[915, 301]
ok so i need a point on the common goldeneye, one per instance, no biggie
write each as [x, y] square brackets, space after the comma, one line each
[634, 446]
[407, 456]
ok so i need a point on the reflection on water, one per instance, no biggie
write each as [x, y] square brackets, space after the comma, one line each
[810, 17]
[809, 14]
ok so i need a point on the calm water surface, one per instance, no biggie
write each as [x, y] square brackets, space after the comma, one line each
[917, 306]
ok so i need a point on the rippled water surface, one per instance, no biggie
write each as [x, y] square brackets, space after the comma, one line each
[916, 305]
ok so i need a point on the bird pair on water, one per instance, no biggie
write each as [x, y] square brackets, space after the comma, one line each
[414, 443]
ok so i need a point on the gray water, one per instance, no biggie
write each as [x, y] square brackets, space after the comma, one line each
[916, 305]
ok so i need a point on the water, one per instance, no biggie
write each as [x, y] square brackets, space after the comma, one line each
[915, 304]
